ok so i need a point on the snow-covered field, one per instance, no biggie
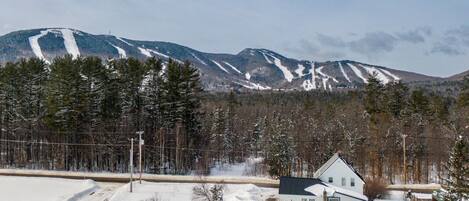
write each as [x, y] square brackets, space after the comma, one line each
[44, 189]
[148, 191]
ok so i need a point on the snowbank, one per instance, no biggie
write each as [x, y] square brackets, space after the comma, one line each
[244, 169]
[183, 192]
[41, 189]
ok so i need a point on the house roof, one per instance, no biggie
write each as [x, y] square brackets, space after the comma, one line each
[313, 187]
[296, 185]
[331, 161]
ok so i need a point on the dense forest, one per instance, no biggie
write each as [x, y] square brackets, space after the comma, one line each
[79, 114]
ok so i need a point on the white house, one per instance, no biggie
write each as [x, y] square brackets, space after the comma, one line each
[336, 180]
[340, 173]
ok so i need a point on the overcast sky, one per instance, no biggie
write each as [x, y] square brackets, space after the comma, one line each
[426, 36]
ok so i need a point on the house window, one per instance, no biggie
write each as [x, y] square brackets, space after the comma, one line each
[304, 199]
[333, 199]
[331, 180]
[311, 199]
[344, 182]
[352, 182]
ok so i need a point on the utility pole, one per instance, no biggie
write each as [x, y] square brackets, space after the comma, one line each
[131, 162]
[140, 143]
[405, 163]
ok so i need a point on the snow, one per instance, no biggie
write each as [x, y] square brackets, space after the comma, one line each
[248, 76]
[358, 72]
[40, 189]
[286, 73]
[70, 42]
[313, 74]
[343, 72]
[121, 51]
[124, 41]
[372, 70]
[299, 70]
[220, 66]
[325, 78]
[198, 59]
[238, 169]
[159, 53]
[310, 84]
[145, 52]
[252, 85]
[400, 195]
[319, 70]
[234, 68]
[318, 189]
[266, 58]
[395, 77]
[34, 43]
[183, 192]
[307, 85]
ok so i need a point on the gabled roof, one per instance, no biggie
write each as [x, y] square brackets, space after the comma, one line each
[296, 185]
[331, 161]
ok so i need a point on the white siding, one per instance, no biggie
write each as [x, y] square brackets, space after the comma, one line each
[339, 170]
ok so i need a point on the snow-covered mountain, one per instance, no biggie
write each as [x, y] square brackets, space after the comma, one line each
[249, 69]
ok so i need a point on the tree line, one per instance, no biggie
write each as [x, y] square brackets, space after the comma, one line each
[79, 114]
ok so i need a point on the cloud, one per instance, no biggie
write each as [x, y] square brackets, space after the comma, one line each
[461, 33]
[411, 36]
[455, 42]
[311, 50]
[330, 41]
[374, 43]
[447, 49]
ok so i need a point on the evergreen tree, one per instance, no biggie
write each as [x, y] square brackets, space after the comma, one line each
[458, 172]
[280, 150]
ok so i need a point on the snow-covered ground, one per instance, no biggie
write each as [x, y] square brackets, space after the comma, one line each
[148, 191]
[44, 189]
[244, 169]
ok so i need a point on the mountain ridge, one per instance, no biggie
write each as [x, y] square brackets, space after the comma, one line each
[251, 68]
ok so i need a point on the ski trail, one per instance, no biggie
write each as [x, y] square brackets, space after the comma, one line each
[34, 43]
[286, 73]
[343, 72]
[198, 59]
[220, 66]
[319, 70]
[234, 68]
[144, 51]
[357, 72]
[121, 51]
[299, 70]
[313, 74]
[266, 58]
[373, 71]
[395, 77]
[70, 42]
[123, 40]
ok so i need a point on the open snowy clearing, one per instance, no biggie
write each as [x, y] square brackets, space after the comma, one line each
[183, 192]
[44, 189]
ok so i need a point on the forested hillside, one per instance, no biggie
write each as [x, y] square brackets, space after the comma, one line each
[79, 114]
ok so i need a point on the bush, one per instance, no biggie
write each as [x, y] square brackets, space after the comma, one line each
[375, 188]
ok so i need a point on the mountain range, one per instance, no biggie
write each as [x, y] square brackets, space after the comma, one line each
[258, 69]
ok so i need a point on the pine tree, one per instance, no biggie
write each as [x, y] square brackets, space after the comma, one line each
[458, 172]
[280, 149]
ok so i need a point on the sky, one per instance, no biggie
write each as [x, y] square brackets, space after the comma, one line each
[423, 36]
